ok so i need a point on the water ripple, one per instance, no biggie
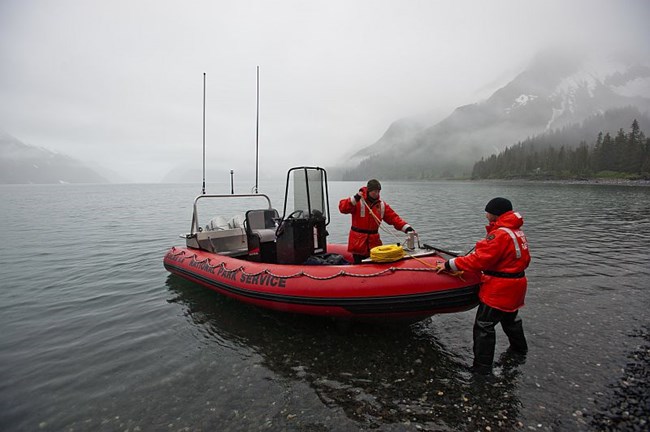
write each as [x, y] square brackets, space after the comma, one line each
[97, 336]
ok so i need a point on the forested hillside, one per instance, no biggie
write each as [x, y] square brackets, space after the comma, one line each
[565, 154]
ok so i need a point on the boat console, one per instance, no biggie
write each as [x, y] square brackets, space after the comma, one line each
[301, 237]
[302, 231]
[261, 235]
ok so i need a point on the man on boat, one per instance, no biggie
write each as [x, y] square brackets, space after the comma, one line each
[502, 256]
[367, 211]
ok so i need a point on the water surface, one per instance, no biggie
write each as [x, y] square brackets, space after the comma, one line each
[96, 335]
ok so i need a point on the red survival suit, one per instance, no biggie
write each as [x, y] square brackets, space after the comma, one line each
[502, 257]
[364, 233]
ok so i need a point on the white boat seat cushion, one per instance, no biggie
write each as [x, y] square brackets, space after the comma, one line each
[265, 235]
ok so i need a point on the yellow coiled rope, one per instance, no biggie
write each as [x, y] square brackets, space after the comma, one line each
[386, 253]
[363, 201]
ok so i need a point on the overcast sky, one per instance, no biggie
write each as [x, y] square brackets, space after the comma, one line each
[120, 82]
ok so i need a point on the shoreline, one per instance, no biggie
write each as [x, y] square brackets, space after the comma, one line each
[625, 404]
[604, 182]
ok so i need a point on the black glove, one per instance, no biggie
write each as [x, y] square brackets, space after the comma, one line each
[357, 197]
[409, 229]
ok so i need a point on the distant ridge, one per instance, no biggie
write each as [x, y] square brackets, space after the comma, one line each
[21, 163]
[557, 90]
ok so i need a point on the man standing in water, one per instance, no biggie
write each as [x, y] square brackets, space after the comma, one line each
[502, 257]
[367, 213]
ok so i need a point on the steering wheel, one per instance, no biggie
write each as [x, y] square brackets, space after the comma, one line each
[296, 214]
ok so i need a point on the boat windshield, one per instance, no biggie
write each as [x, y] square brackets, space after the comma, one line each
[306, 193]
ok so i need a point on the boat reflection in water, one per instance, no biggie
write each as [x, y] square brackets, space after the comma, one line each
[378, 376]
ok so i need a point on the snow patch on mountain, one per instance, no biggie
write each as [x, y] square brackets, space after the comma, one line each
[521, 101]
[592, 73]
[581, 79]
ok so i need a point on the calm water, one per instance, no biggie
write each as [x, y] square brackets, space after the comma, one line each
[96, 335]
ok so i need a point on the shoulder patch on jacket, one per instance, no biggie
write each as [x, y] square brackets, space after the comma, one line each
[490, 237]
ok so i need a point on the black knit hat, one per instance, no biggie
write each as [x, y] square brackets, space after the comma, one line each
[373, 185]
[498, 206]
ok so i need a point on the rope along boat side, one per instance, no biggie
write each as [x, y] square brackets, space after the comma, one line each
[284, 263]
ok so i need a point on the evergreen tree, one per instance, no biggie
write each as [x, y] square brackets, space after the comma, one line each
[598, 160]
[621, 160]
[645, 164]
[556, 155]
[608, 154]
[580, 160]
[634, 149]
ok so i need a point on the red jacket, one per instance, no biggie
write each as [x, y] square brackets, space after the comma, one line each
[364, 233]
[502, 257]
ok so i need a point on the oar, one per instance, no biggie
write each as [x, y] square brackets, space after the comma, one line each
[446, 252]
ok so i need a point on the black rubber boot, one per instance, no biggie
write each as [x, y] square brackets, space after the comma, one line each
[484, 339]
[481, 369]
[514, 329]
[511, 359]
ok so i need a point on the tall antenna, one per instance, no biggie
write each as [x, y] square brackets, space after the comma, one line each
[257, 131]
[203, 189]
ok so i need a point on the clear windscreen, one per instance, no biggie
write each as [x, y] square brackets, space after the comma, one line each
[306, 194]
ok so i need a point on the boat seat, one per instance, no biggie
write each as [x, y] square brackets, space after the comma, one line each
[260, 231]
[262, 221]
[265, 235]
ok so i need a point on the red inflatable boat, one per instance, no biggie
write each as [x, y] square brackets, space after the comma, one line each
[284, 263]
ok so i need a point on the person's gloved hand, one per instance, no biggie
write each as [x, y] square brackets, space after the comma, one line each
[444, 267]
[409, 229]
[357, 197]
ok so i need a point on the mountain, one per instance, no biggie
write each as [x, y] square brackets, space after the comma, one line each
[555, 91]
[22, 163]
[398, 134]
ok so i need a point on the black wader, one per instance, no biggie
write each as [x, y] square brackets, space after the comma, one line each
[485, 337]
